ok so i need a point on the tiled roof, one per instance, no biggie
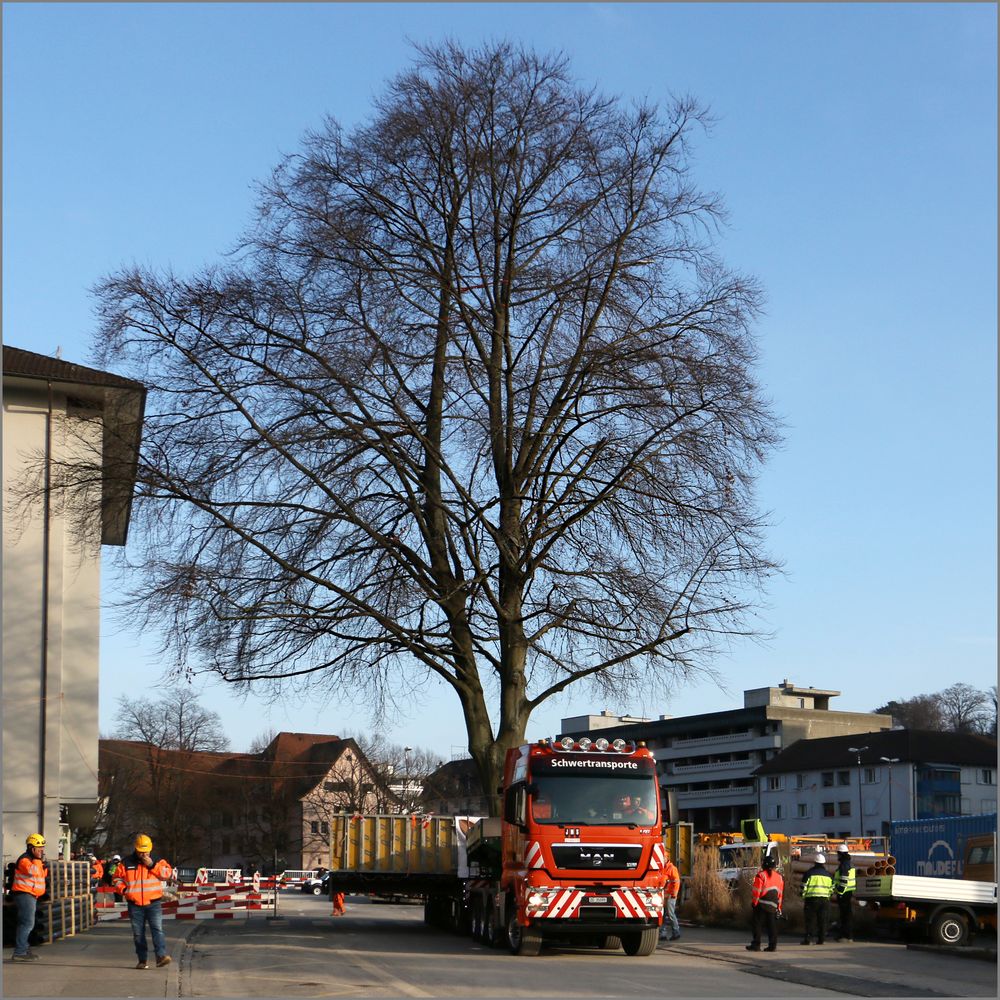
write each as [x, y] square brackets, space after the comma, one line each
[27, 364]
[907, 745]
[300, 763]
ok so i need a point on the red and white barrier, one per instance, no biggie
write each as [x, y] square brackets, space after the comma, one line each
[216, 902]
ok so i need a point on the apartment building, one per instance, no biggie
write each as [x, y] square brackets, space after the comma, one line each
[709, 760]
[844, 786]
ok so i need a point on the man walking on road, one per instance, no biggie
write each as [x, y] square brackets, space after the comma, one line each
[30, 873]
[817, 887]
[140, 879]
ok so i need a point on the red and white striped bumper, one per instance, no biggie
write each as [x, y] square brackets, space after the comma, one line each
[545, 903]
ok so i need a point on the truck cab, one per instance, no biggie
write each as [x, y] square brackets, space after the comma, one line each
[582, 843]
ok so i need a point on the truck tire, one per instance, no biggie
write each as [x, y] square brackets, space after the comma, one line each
[611, 942]
[950, 929]
[317, 890]
[524, 941]
[641, 943]
[478, 922]
[495, 936]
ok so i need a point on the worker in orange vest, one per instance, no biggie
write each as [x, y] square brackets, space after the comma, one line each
[338, 903]
[96, 871]
[671, 891]
[28, 884]
[140, 879]
[766, 899]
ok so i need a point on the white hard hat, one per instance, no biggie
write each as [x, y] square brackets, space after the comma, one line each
[821, 859]
[843, 849]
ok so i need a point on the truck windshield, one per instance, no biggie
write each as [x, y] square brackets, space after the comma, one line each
[573, 800]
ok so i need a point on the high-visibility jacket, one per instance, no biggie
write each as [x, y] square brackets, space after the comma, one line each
[768, 889]
[673, 886]
[29, 875]
[139, 884]
[817, 884]
[97, 870]
[845, 880]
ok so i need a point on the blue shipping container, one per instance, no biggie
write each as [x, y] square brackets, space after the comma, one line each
[935, 848]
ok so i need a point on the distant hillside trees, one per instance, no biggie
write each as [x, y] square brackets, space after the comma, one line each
[960, 708]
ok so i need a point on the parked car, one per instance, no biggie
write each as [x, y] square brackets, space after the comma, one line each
[318, 884]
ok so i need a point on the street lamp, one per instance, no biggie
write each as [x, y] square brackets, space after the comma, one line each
[890, 761]
[861, 814]
[406, 778]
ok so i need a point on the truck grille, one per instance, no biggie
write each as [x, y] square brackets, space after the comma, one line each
[604, 856]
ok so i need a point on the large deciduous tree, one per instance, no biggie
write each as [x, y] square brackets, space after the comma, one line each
[474, 400]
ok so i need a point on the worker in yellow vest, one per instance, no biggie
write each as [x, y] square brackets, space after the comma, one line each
[817, 887]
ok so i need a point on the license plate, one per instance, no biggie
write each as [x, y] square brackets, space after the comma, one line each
[598, 899]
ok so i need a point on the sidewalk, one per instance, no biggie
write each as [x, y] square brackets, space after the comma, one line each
[99, 962]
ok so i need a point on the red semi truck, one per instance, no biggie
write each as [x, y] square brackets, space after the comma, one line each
[579, 852]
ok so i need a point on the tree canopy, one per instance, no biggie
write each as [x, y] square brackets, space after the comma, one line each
[474, 399]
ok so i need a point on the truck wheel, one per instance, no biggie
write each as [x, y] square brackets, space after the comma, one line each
[317, 890]
[641, 943]
[523, 940]
[495, 936]
[611, 942]
[949, 928]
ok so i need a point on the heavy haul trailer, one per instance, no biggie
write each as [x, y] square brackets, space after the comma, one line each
[578, 853]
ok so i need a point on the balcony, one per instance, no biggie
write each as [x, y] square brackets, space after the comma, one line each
[740, 791]
[719, 765]
[727, 744]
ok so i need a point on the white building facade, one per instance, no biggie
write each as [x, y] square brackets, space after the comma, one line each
[856, 787]
[56, 413]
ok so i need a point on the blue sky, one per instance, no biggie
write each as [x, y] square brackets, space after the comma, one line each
[855, 147]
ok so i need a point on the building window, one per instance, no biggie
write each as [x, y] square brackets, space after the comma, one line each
[870, 775]
[985, 776]
[843, 777]
[802, 810]
[800, 781]
[843, 808]
[324, 827]
[828, 809]
[775, 783]
[828, 779]
[314, 826]
[775, 811]
[802, 703]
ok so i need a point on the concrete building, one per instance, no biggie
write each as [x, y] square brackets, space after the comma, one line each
[853, 786]
[709, 760]
[56, 414]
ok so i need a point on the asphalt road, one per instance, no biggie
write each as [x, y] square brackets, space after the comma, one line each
[382, 950]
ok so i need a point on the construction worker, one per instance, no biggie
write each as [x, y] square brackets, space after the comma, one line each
[766, 900]
[140, 879]
[27, 885]
[338, 903]
[671, 890]
[845, 881]
[817, 887]
[96, 871]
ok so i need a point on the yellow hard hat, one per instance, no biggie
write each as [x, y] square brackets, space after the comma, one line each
[35, 840]
[143, 844]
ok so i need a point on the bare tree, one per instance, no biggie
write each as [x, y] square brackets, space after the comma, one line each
[966, 709]
[170, 798]
[474, 398]
[920, 712]
[174, 721]
[262, 740]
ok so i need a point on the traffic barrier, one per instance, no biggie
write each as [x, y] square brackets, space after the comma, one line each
[218, 903]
